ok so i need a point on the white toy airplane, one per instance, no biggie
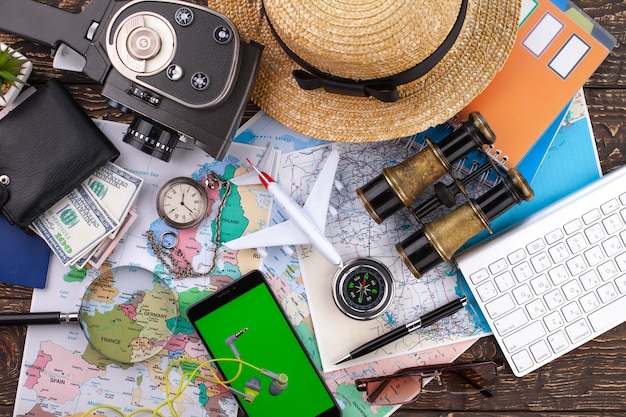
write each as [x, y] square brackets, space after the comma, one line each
[305, 224]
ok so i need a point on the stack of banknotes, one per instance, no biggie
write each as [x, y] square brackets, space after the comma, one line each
[84, 227]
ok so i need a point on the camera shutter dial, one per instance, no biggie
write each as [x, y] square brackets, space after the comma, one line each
[145, 43]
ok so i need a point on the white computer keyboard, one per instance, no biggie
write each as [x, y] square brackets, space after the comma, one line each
[556, 280]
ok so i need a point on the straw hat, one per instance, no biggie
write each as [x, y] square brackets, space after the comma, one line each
[455, 48]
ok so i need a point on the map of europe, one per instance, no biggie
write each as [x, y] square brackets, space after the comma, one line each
[63, 375]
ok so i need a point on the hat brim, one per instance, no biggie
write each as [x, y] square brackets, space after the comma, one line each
[480, 51]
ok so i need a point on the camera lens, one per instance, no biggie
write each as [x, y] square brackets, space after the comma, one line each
[152, 138]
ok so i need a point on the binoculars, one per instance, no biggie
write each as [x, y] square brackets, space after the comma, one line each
[400, 185]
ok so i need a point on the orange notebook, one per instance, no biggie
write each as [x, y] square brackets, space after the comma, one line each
[555, 52]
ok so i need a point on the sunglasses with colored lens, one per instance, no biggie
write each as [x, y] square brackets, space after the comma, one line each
[407, 384]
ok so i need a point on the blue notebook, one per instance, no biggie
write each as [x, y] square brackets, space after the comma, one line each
[23, 258]
[570, 163]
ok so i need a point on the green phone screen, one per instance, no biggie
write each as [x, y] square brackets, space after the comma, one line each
[268, 343]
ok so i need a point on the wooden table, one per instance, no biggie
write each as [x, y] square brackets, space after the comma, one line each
[588, 381]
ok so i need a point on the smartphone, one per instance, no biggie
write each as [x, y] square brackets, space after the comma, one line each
[244, 320]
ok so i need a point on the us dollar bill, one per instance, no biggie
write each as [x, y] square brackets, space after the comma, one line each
[115, 188]
[74, 224]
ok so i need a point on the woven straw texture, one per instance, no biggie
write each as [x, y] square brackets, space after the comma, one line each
[364, 39]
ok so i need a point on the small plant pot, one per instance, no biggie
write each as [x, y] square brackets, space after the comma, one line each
[11, 94]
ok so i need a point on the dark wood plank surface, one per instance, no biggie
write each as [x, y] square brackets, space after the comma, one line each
[589, 381]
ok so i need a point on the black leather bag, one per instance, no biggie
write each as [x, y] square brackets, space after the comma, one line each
[48, 146]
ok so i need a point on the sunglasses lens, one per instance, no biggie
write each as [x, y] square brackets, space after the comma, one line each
[396, 390]
[469, 378]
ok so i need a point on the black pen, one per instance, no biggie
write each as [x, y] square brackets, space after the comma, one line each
[424, 321]
[53, 317]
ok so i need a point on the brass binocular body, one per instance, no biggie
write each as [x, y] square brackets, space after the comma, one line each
[400, 185]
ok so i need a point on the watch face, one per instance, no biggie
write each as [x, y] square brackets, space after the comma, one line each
[363, 289]
[182, 203]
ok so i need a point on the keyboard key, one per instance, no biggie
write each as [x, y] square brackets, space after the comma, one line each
[540, 351]
[479, 276]
[511, 321]
[516, 256]
[620, 260]
[572, 226]
[607, 292]
[571, 312]
[609, 206]
[505, 281]
[576, 265]
[541, 262]
[522, 361]
[524, 336]
[487, 291]
[522, 294]
[589, 302]
[553, 321]
[607, 270]
[620, 282]
[558, 252]
[558, 341]
[536, 308]
[576, 243]
[591, 216]
[612, 246]
[594, 255]
[500, 306]
[589, 280]
[609, 315]
[554, 299]
[572, 289]
[535, 246]
[540, 284]
[558, 275]
[595, 233]
[612, 224]
[523, 271]
[554, 236]
[498, 266]
[578, 331]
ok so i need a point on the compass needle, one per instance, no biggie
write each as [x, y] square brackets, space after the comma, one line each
[363, 289]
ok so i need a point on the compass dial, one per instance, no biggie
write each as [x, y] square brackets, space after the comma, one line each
[363, 288]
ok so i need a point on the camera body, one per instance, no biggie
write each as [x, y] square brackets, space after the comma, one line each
[181, 68]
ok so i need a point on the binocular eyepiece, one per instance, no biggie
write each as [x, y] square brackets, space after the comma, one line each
[439, 240]
[400, 185]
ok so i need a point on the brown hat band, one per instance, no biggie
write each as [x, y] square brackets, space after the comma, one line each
[384, 89]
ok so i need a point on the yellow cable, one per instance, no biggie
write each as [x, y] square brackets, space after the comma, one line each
[185, 380]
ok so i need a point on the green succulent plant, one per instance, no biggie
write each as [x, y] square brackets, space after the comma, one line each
[10, 67]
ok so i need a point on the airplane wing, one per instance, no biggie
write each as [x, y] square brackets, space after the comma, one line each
[268, 163]
[282, 234]
[316, 204]
[287, 232]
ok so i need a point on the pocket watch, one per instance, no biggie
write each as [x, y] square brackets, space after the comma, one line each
[363, 289]
[183, 203]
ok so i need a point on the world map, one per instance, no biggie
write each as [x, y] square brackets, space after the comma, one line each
[62, 375]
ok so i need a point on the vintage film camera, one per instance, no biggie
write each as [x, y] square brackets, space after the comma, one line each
[181, 68]
[400, 185]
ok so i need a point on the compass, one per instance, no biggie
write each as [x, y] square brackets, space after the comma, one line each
[363, 288]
